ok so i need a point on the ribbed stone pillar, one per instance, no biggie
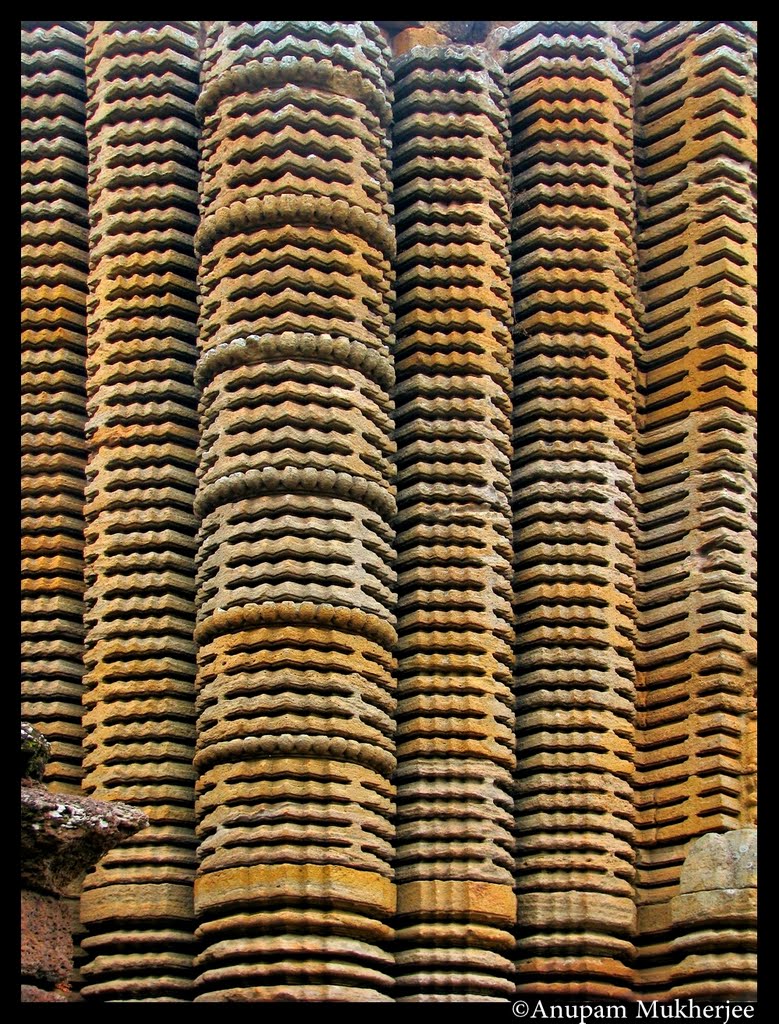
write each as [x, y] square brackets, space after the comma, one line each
[295, 581]
[53, 352]
[573, 262]
[455, 741]
[696, 174]
[142, 133]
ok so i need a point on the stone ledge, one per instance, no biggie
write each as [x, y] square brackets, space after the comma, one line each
[63, 836]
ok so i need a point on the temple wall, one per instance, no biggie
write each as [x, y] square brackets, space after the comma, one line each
[389, 399]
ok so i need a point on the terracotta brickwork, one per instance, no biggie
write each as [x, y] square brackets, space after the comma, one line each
[389, 400]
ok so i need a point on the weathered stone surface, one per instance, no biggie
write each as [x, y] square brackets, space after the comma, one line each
[726, 861]
[33, 994]
[408, 38]
[342, 887]
[62, 837]
[47, 946]
[352, 45]
[291, 993]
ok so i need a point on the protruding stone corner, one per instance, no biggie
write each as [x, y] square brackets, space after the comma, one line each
[715, 909]
[35, 750]
[718, 881]
[64, 835]
[34, 994]
[721, 860]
